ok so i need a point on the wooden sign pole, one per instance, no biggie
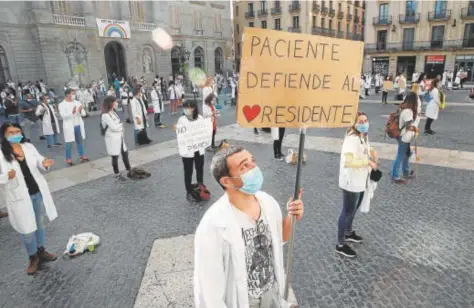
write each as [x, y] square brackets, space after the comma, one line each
[293, 220]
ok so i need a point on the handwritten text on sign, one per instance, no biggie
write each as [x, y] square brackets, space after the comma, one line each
[295, 80]
[194, 136]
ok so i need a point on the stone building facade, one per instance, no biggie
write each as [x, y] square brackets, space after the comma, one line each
[59, 40]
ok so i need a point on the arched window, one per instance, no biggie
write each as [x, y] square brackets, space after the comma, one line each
[175, 64]
[199, 57]
[218, 60]
[60, 7]
[4, 71]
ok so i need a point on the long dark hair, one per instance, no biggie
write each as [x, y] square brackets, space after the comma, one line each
[411, 102]
[421, 77]
[193, 104]
[108, 103]
[7, 148]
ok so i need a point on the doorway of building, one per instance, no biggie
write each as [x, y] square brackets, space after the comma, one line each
[115, 62]
[406, 65]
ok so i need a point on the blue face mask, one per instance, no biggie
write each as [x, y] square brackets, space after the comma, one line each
[253, 180]
[15, 138]
[362, 128]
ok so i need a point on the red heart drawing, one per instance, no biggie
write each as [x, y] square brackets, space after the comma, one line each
[251, 113]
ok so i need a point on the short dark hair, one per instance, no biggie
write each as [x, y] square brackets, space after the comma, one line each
[68, 91]
[219, 167]
[192, 104]
[43, 97]
[136, 91]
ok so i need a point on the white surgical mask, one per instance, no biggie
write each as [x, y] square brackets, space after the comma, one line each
[73, 97]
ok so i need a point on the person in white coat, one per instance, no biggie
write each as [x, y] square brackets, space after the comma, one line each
[112, 130]
[49, 120]
[138, 113]
[357, 160]
[238, 245]
[26, 192]
[71, 112]
[173, 95]
[157, 104]
[433, 103]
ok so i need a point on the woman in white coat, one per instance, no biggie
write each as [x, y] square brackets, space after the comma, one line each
[157, 105]
[432, 107]
[49, 120]
[112, 130]
[138, 113]
[357, 160]
[71, 112]
[26, 192]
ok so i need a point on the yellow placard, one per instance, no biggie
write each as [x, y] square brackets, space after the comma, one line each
[298, 80]
[388, 85]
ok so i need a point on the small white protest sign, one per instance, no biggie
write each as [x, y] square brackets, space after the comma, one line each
[194, 136]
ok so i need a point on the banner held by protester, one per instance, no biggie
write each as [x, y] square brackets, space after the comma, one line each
[295, 80]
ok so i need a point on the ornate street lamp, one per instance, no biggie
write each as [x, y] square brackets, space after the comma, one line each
[183, 56]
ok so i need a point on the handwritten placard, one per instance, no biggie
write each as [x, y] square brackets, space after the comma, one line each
[388, 85]
[194, 135]
[298, 80]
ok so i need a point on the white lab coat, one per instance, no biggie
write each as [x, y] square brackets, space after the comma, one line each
[220, 273]
[48, 118]
[155, 101]
[69, 119]
[125, 96]
[432, 108]
[354, 179]
[136, 107]
[114, 139]
[18, 201]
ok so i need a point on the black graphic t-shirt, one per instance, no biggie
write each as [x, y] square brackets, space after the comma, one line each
[258, 253]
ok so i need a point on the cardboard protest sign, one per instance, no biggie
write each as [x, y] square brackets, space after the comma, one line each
[194, 135]
[388, 85]
[298, 80]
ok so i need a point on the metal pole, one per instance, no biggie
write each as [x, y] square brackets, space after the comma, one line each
[293, 220]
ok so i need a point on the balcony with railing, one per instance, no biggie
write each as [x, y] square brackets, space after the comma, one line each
[340, 15]
[340, 34]
[69, 20]
[316, 8]
[467, 13]
[357, 3]
[262, 13]
[198, 32]
[439, 15]
[349, 17]
[349, 36]
[250, 14]
[294, 8]
[356, 19]
[419, 46]
[409, 19]
[324, 10]
[332, 12]
[317, 31]
[382, 21]
[323, 31]
[143, 26]
[356, 37]
[294, 29]
[276, 11]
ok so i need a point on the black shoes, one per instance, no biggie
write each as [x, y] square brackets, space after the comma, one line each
[279, 157]
[346, 251]
[429, 132]
[354, 238]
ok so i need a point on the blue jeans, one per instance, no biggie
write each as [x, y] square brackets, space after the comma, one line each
[35, 240]
[51, 139]
[403, 155]
[14, 118]
[80, 146]
[350, 203]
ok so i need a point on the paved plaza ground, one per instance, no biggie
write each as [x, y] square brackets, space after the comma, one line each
[416, 253]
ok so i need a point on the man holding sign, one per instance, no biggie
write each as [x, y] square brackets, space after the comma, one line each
[298, 81]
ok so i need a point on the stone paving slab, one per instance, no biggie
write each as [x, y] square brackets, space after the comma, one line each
[416, 252]
[168, 278]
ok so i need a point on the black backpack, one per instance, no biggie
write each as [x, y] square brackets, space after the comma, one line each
[103, 130]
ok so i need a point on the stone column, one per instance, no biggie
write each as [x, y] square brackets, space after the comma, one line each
[42, 12]
[88, 13]
[124, 10]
